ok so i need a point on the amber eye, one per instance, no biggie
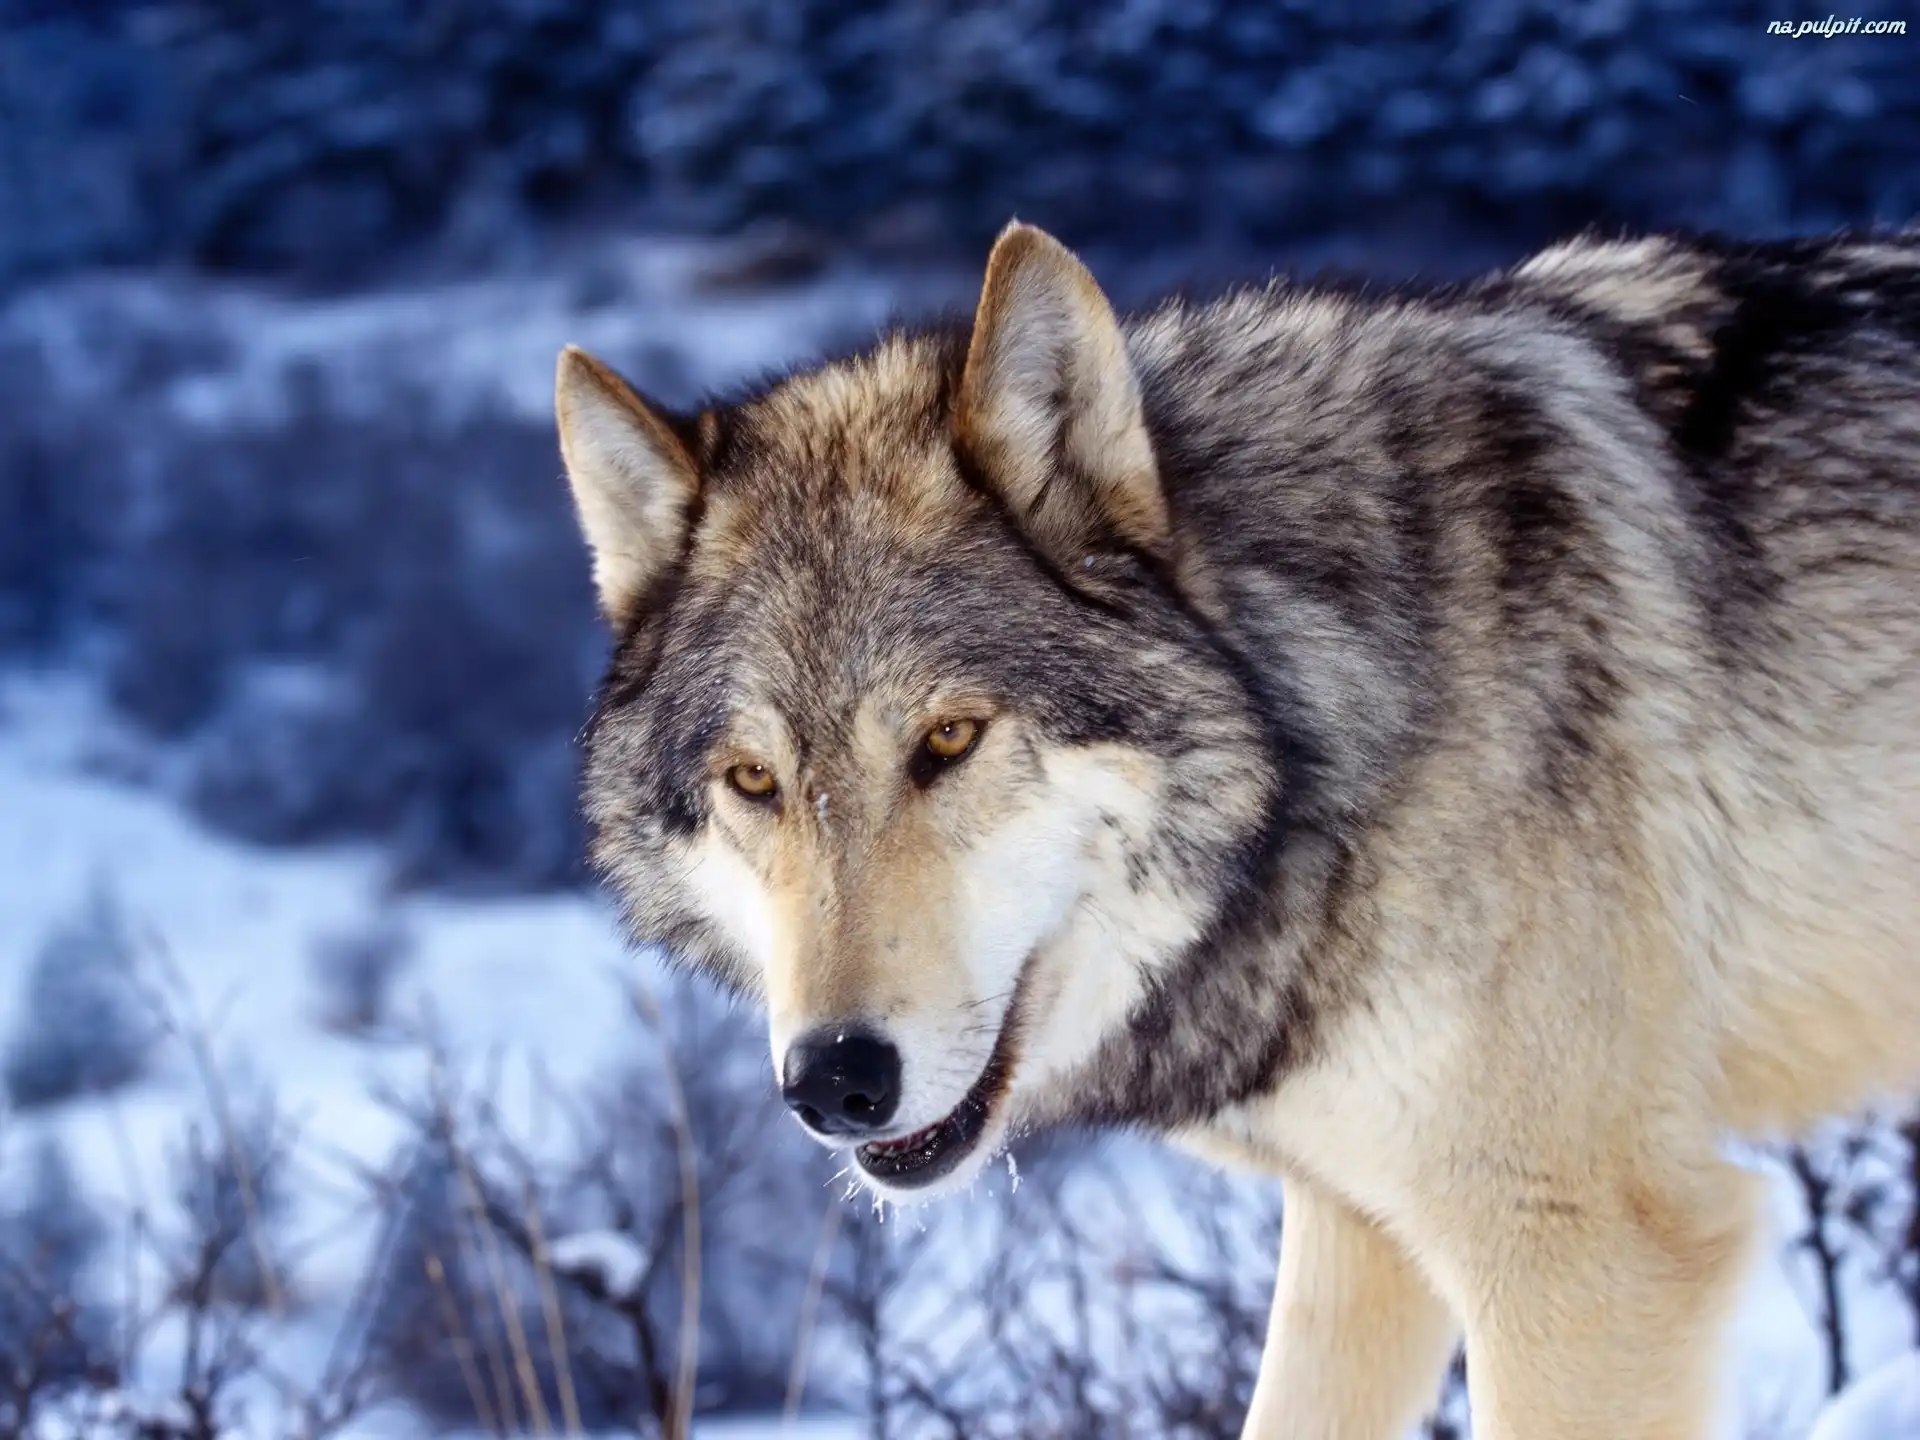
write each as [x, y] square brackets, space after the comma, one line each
[756, 782]
[953, 739]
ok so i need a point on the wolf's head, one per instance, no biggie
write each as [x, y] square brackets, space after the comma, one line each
[914, 731]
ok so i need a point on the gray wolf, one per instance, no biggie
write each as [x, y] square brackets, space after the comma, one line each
[1458, 751]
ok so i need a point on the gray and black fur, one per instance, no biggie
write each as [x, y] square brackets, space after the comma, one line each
[1388, 525]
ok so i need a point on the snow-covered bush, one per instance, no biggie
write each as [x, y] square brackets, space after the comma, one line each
[367, 627]
[81, 1028]
[53, 1335]
[60, 487]
[354, 971]
[174, 1339]
[572, 1258]
[324, 139]
[231, 1184]
[39, 528]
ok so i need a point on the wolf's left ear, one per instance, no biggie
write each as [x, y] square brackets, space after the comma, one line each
[1048, 406]
[634, 480]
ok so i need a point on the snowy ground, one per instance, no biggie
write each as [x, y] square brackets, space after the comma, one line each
[526, 984]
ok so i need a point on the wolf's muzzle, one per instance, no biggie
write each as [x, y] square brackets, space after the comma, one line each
[842, 1080]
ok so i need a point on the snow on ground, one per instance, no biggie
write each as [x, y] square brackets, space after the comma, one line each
[535, 977]
[611, 1262]
[481, 343]
[533, 982]
[1882, 1405]
[1779, 1372]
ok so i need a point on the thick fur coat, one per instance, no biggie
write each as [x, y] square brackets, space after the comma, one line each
[1458, 751]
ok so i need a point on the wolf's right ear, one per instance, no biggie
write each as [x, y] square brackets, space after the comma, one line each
[634, 481]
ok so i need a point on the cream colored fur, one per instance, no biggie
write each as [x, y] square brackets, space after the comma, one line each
[1527, 1119]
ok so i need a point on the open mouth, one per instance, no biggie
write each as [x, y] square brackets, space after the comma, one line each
[932, 1153]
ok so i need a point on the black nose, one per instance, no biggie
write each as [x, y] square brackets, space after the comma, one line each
[842, 1081]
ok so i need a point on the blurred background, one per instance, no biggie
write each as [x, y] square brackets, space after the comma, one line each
[335, 1105]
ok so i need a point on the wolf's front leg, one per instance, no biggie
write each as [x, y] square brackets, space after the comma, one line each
[1604, 1318]
[1358, 1340]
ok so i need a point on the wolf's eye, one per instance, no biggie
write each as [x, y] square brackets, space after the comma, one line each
[756, 782]
[953, 739]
